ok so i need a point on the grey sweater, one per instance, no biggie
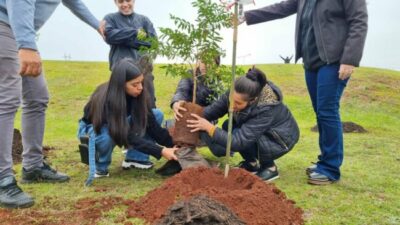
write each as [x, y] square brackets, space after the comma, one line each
[27, 16]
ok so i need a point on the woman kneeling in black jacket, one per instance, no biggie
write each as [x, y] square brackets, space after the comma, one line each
[263, 127]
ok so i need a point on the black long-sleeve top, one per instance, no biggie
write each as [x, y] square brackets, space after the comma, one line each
[153, 129]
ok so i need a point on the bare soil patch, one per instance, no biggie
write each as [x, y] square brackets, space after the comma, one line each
[252, 200]
[348, 127]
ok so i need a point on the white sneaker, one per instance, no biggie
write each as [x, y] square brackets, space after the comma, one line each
[127, 164]
[311, 169]
[101, 174]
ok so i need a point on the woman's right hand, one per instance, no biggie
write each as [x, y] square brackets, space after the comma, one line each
[177, 108]
[169, 153]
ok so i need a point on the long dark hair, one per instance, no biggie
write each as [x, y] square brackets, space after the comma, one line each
[251, 84]
[109, 104]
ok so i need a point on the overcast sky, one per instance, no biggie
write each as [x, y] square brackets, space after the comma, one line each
[64, 34]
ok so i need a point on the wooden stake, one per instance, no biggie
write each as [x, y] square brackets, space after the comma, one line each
[229, 142]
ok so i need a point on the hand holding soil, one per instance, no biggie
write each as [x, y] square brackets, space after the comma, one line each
[169, 153]
[199, 124]
[177, 106]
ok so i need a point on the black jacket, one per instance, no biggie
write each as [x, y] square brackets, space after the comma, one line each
[154, 130]
[184, 92]
[121, 34]
[270, 125]
[340, 26]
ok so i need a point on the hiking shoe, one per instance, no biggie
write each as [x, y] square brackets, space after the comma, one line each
[311, 169]
[319, 179]
[251, 167]
[267, 174]
[43, 174]
[11, 195]
[101, 174]
[127, 164]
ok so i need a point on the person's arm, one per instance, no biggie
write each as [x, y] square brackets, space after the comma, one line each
[143, 145]
[148, 147]
[217, 109]
[159, 134]
[247, 134]
[21, 17]
[183, 91]
[357, 18]
[149, 28]
[271, 12]
[119, 36]
[127, 36]
[155, 131]
[79, 9]
[148, 31]
[243, 137]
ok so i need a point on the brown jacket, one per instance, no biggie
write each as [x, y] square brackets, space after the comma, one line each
[340, 26]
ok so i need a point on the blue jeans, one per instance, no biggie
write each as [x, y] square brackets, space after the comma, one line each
[326, 89]
[134, 154]
[105, 145]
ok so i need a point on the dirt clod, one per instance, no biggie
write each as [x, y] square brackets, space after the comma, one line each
[17, 148]
[200, 210]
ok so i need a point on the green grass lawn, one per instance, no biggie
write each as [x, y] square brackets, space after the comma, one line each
[368, 193]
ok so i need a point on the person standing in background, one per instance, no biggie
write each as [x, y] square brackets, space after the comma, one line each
[330, 37]
[22, 77]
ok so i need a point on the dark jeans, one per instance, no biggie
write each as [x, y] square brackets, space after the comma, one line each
[248, 154]
[326, 89]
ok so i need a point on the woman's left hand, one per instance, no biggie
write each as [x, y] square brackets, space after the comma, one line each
[345, 71]
[199, 124]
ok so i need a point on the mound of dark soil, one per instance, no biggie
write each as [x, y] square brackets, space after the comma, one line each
[252, 200]
[348, 127]
[17, 147]
[200, 210]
